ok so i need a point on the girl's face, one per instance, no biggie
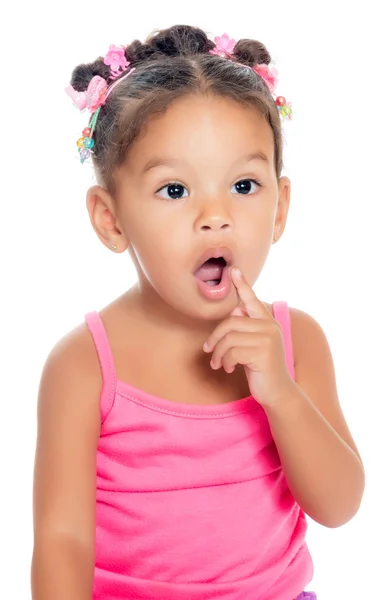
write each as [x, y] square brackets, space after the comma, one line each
[201, 177]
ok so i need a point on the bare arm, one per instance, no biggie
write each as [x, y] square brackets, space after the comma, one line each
[319, 457]
[65, 472]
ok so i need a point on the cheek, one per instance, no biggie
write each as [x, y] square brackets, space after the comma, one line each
[254, 228]
[160, 250]
[254, 243]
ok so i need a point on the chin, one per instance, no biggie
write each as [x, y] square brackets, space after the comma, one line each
[199, 308]
[188, 299]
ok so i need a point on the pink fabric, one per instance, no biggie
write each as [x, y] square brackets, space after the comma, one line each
[192, 502]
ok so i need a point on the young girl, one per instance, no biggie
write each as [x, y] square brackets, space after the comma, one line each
[186, 428]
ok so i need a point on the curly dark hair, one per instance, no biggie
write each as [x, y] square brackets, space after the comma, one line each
[169, 64]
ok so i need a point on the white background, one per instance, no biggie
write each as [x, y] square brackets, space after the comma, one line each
[328, 263]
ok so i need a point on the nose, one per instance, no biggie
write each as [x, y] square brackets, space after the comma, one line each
[214, 216]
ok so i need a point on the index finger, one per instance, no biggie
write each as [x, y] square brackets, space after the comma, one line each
[253, 306]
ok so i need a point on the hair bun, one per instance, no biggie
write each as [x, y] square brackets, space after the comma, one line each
[82, 75]
[137, 52]
[180, 40]
[251, 52]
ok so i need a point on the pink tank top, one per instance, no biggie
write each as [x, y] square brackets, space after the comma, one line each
[192, 502]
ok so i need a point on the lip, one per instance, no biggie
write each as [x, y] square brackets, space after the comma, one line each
[215, 252]
[217, 292]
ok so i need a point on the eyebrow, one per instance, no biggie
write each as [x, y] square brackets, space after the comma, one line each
[159, 162]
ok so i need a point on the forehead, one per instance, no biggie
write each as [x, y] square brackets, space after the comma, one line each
[199, 128]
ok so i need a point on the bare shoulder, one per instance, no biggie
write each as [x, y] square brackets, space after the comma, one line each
[67, 436]
[74, 351]
[315, 370]
[71, 371]
[306, 333]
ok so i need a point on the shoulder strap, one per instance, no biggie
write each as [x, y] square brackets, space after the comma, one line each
[281, 314]
[100, 338]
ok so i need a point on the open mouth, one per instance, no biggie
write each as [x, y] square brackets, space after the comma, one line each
[211, 271]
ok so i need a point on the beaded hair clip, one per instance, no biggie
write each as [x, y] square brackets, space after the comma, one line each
[96, 95]
[98, 89]
[224, 48]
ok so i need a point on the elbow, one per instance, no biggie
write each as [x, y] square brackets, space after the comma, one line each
[61, 562]
[333, 520]
[342, 509]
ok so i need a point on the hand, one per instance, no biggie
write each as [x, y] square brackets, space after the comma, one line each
[253, 338]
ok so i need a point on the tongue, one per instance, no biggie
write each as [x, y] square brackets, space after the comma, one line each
[210, 271]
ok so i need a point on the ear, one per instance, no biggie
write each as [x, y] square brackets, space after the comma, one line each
[284, 192]
[102, 213]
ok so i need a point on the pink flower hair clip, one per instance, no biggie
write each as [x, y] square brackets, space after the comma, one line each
[96, 95]
[224, 47]
[115, 59]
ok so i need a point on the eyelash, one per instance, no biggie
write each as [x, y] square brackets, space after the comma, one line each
[256, 181]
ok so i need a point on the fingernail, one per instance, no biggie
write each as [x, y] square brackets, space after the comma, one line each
[206, 346]
[237, 272]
